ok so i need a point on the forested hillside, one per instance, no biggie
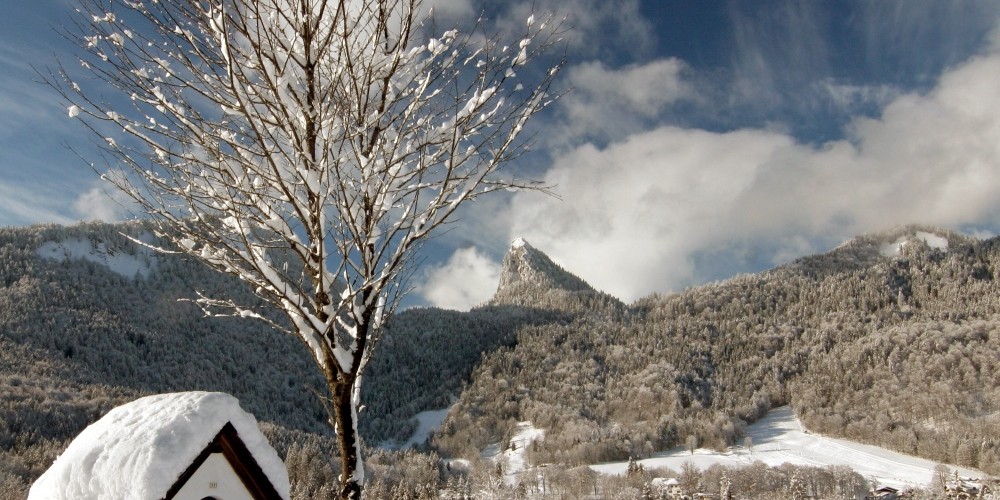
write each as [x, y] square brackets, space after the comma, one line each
[890, 339]
[89, 319]
[428, 354]
[82, 333]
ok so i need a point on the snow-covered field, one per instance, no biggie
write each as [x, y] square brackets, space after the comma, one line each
[513, 459]
[777, 438]
[780, 438]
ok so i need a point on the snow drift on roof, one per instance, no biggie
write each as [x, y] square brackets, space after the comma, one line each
[138, 450]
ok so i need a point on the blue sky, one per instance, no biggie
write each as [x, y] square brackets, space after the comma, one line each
[702, 138]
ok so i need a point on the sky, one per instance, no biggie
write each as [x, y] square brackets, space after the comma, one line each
[698, 139]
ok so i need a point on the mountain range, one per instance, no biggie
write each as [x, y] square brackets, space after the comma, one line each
[890, 339]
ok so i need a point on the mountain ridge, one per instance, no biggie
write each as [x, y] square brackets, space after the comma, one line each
[700, 364]
[605, 379]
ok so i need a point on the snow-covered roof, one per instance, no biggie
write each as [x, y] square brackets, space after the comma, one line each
[138, 450]
[665, 482]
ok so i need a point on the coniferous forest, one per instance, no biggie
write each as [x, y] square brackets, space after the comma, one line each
[898, 351]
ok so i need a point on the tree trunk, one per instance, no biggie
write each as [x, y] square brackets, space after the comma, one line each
[342, 384]
[350, 488]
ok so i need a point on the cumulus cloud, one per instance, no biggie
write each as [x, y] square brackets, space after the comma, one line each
[102, 203]
[467, 279]
[610, 103]
[636, 215]
[631, 214]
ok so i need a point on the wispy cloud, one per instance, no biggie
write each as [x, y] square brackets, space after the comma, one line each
[810, 67]
[39, 175]
[854, 97]
[25, 102]
[778, 48]
[451, 11]
[915, 38]
[20, 206]
[597, 29]
[608, 104]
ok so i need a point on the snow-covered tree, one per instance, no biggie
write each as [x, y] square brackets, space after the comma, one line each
[307, 147]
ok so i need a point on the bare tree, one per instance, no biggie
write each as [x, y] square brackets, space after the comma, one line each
[691, 443]
[306, 147]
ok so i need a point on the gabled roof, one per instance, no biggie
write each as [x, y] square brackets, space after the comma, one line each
[139, 450]
[228, 443]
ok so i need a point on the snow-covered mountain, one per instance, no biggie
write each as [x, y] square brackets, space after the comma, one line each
[883, 322]
[129, 261]
[850, 338]
[879, 248]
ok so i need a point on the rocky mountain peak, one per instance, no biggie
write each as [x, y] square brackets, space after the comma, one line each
[527, 272]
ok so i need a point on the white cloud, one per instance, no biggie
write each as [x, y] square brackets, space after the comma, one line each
[632, 214]
[635, 215]
[102, 203]
[613, 102]
[847, 96]
[467, 279]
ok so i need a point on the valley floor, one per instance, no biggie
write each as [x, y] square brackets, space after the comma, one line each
[780, 438]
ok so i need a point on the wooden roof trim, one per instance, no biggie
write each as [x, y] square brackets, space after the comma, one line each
[228, 442]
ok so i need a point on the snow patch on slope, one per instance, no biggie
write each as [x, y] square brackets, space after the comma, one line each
[139, 262]
[780, 438]
[427, 421]
[932, 240]
[514, 460]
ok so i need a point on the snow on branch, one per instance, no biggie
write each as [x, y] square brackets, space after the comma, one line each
[306, 147]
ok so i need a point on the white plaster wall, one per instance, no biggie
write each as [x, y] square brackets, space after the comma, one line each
[215, 478]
